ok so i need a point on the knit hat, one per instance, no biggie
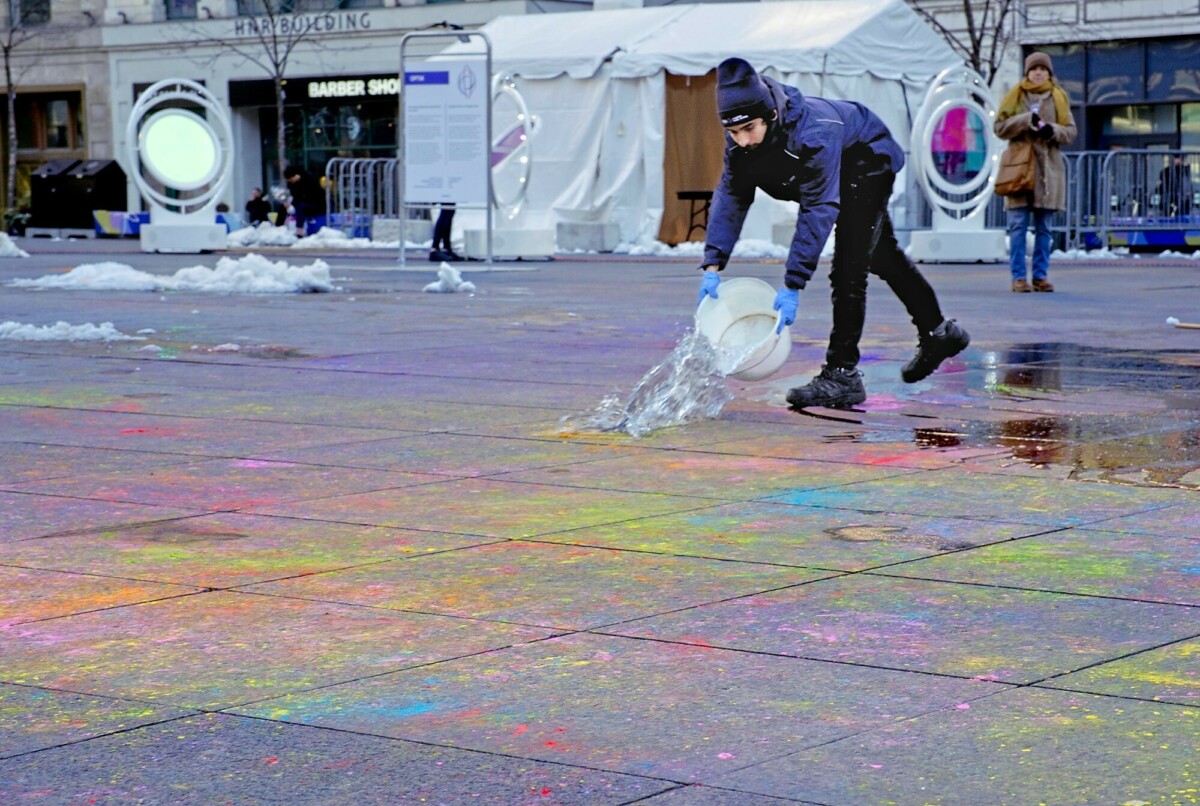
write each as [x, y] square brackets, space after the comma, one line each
[741, 94]
[1038, 59]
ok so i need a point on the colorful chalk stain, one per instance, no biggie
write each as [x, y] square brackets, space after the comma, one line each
[899, 592]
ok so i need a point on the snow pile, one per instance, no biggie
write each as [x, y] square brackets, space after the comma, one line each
[10, 249]
[748, 248]
[330, 238]
[1171, 253]
[1083, 254]
[63, 331]
[251, 274]
[262, 235]
[450, 281]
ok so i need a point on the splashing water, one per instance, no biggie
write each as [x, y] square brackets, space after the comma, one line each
[688, 385]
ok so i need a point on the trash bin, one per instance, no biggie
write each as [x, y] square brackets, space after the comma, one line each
[46, 193]
[93, 185]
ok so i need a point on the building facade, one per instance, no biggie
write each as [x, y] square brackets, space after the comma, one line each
[1132, 68]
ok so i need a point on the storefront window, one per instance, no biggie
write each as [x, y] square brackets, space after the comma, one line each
[31, 12]
[1139, 120]
[49, 121]
[1189, 129]
[1116, 72]
[181, 9]
[1173, 70]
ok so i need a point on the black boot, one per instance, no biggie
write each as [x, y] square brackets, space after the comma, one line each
[834, 388]
[934, 348]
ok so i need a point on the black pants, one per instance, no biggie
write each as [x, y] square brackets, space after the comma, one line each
[865, 242]
[441, 229]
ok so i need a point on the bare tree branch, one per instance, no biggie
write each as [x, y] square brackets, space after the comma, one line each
[22, 30]
[986, 34]
[276, 34]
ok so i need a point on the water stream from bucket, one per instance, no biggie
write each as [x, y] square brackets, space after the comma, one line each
[688, 385]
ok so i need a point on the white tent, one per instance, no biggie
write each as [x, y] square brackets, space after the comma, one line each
[597, 81]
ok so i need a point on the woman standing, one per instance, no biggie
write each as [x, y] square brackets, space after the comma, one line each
[1036, 109]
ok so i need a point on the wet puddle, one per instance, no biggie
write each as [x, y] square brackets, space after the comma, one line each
[1155, 446]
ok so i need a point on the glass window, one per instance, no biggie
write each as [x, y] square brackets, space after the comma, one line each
[1139, 119]
[49, 121]
[1189, 135]
[31, 12]
[1116, 72]
[1070, 62]
[1173, 70]
[181, 9]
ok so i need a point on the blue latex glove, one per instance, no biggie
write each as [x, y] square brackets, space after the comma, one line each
[786, 302]
[708, 286]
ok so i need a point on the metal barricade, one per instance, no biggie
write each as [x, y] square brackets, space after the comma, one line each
[1137, 198]
[359, 192]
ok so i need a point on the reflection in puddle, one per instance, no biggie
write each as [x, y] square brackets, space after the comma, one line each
[1156, 446]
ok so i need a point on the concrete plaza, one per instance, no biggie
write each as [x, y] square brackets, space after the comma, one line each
[361, 559]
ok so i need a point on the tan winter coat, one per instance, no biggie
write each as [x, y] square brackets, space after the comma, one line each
[1050, 184]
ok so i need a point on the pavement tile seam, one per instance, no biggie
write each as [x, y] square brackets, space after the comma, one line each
[446, 746]
[1105, 661]
[558, 629]
[791, 657]
[1024, 588]
[722, 499]
[1166, 699]
[230, 708]
[280, 502]
[293, 367]
[104, 734]
[88, 529]
[207, 418]
[122, 606]
[710, 557]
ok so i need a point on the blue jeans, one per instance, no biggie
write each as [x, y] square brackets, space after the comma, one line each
[1018, 225]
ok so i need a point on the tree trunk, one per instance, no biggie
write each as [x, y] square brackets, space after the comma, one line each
[10, 190]
[280, 126]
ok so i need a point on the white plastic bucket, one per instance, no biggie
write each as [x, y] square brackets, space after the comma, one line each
[741, 324]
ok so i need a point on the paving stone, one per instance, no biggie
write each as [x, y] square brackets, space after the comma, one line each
[484, 507]
[1014, 636]
[224, 549]
[1149, 568]
[213, 650]
[586, 699]
[796, 535]
[567, 587]
[33, 719]
[215, 758]
[1017, 746]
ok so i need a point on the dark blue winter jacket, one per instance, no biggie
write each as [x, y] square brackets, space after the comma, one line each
[809, 150]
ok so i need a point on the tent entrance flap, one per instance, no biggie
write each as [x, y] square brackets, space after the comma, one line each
[693, 156]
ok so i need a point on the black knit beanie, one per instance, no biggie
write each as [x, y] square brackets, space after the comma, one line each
[741, 93]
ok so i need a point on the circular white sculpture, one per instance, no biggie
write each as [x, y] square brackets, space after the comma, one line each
[512, 147]
[954, 153]
[180, 147]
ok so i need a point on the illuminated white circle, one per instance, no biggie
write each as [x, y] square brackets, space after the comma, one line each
[180, 149]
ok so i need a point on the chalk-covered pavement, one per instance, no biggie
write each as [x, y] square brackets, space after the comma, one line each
[341, 547]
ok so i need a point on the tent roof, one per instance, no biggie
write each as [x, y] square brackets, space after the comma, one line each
[575, 43]
[885, 38]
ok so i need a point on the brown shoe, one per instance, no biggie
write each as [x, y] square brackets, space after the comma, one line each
[1021, 286]
[1042, 285]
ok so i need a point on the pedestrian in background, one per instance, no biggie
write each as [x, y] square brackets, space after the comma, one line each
[1036, 109]
[257, 208]
[308, 198]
